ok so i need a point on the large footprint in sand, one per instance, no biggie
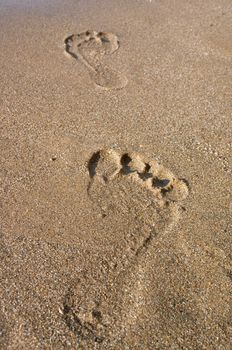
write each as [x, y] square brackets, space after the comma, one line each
[137, 199]
[89, 48]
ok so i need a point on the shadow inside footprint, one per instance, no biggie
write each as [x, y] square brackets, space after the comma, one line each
[161, 183]
[125, 161]
[89, 48]
[92, 164]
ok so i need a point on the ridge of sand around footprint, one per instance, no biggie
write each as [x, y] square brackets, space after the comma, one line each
[89, 48]
[137, 199]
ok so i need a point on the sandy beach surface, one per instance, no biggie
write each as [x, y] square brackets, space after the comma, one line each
[116, 174]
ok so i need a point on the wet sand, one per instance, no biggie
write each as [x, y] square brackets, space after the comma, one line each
[116, 175]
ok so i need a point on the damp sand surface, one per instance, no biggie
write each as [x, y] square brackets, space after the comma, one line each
[116, 175]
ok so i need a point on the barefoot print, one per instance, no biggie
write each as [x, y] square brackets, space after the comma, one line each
[89, 48]
[137, 199]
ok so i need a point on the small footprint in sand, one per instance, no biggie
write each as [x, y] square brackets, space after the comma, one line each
[137, 199]
[89, 48]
